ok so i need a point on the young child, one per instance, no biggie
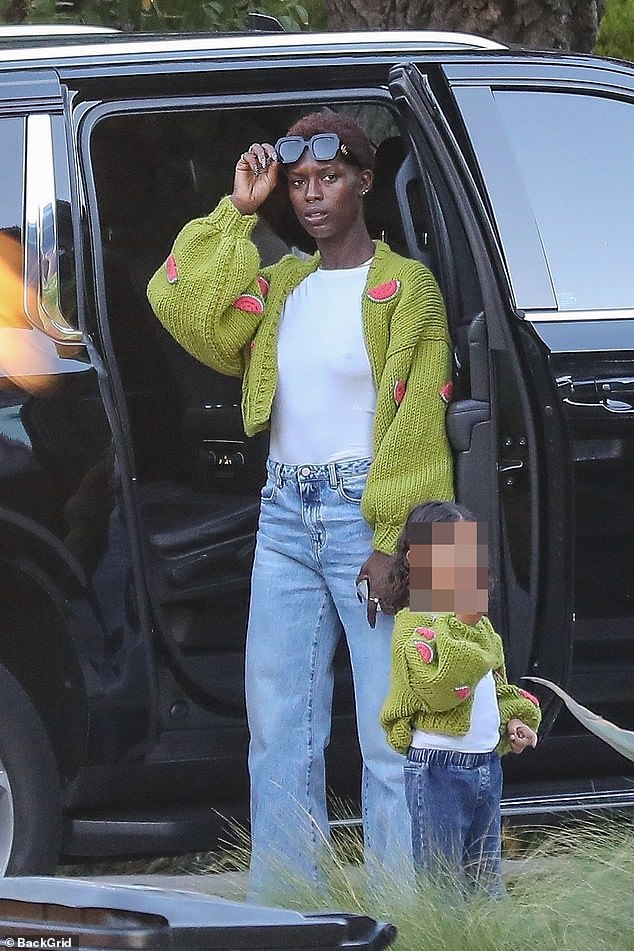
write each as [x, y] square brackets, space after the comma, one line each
[450, 708]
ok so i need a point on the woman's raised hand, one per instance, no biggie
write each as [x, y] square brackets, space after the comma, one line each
[255, 177]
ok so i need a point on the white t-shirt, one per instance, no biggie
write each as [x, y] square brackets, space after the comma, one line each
[484, 732]
[324, 404]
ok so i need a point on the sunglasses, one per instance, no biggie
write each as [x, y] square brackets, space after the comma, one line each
[323, 147]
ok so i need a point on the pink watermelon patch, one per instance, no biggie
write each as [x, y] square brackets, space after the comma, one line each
[263, 284]
[171, 270]
[399, 391]
[384, 292]
[446, 392]
[249, 303]
[425, 651]
[529, 696]
[426, 632]
[463, 692]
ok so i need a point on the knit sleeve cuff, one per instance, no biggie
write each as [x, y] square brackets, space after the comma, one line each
[385, 538]
[399, 735]
[515, 704]
[226, 217]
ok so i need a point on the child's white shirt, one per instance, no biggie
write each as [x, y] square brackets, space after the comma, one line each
[484, 732]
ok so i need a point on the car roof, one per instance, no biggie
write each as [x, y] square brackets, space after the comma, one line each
[41, 49]
[32, 30]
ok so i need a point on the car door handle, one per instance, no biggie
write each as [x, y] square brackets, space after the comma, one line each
[612, 406]
[598, 394]
[510, 465]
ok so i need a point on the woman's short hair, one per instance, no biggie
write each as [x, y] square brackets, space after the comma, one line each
[350, 132]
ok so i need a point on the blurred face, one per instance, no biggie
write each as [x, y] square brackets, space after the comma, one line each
[326, 196]
[448, 568]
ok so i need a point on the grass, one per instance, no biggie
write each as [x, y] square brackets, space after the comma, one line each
[572, 891]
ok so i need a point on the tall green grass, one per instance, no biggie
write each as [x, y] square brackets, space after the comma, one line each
[573, 891]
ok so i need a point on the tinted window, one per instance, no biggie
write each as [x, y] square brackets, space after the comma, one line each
[575, 153]
[65, 249]
[11, 148]
[13, 360]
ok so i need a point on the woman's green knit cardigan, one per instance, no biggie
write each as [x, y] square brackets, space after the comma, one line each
[436, 664]
[224, 309]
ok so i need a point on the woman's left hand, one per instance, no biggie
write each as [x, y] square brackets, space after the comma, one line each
[376, 571]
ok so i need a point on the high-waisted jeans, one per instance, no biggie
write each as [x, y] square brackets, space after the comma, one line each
[454, 802]
[311, 542]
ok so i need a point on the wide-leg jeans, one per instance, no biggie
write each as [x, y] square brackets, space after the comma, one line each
[311, 542]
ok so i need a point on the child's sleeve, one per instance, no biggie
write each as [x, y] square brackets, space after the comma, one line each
[514, 703]
[400, 704]
[213, 266]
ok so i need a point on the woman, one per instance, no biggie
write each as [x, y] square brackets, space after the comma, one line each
[346, 358]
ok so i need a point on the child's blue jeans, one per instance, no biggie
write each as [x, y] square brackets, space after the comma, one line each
[454, 803]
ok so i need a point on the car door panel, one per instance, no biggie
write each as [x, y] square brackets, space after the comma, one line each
[497, 461]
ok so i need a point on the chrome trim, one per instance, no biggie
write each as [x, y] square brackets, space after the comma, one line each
[41, 272]
[397, 41]
[563, 316]
[568, 802]
[546, 804]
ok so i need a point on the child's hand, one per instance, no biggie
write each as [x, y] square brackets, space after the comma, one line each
[520, 736]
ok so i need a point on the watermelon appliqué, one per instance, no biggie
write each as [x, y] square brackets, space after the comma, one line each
[249, 303]
[528, 696]
[384, 292]
[463, 692]
[425, 651]
[171, 270]
[263, 284]
[427, 632]
[446, 392]
[399, 391]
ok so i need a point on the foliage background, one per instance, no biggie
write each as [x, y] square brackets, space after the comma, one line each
[616, 32]
[164, 15]
[615, 38]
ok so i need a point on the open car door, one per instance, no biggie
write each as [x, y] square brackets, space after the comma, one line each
[505, 468]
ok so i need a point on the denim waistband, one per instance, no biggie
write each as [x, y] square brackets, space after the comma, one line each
[432, 757]
[331, 472]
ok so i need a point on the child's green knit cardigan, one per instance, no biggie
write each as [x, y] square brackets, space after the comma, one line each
[216, 300]
[436, 664]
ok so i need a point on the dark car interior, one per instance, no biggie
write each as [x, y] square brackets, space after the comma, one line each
[198, 476]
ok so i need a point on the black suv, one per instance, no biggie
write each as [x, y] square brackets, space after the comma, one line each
[129, 493]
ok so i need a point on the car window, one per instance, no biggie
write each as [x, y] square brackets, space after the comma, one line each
[16, 351]
[65, 244]
[11, 261]
[575, 155]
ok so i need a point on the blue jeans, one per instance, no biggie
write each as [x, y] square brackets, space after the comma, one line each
[311, 542]
[454, 804]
